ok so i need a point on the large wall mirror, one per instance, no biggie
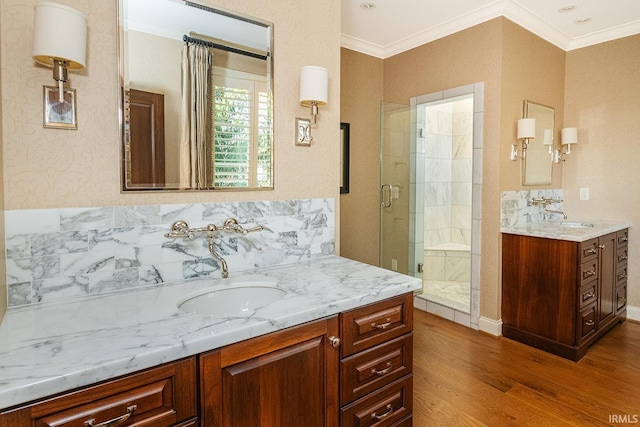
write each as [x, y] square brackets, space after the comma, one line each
[537, 164]
[196, 97]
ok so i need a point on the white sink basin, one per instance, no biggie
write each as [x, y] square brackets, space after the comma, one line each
[238, 299]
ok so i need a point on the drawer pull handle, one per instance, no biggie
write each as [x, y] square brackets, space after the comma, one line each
[589, 273]
[622, 276]
[591, 251]
[623, 239]
[602, 246]
[382, 371]
[114, 422]
[623, 258]
[589, 322]
[385, 415]
[622, 300]
[588, 295]
[382, 325]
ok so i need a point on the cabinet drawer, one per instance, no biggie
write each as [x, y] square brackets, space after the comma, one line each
[622, 237]
[368, 370]
[588, 250]
[621, 298]
[588, 293]
[621, 275]
[588, 271]
[159, 397]
[587, 321]
[382, 408]
[374, 324]
[622, 254]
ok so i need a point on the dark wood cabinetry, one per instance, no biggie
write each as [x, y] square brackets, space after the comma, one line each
[561, 296]
[354, 369]
[160, 397]
[376, 382]
[287, 379]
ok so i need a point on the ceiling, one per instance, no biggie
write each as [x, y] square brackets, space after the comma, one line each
[394, 26]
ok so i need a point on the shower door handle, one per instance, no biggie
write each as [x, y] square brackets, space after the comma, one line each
[390, 188]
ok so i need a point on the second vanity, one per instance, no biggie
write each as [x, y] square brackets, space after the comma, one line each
[563, 283]
[343, 328]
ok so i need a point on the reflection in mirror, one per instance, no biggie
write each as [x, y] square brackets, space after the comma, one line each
[197, 97]
[538, 157]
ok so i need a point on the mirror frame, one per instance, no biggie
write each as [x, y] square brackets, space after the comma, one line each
[536, 155]
[120, 42]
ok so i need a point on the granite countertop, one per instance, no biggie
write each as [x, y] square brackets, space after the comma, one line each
[52, 348]
[576, 231]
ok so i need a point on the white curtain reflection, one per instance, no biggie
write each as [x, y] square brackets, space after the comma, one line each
[195, 143]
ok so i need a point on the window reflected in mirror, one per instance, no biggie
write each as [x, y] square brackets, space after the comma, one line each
[197, 97]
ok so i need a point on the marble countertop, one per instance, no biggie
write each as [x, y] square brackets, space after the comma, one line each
[51, 348]
[576, 231]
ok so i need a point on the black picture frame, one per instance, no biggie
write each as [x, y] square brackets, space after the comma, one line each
[344, 158]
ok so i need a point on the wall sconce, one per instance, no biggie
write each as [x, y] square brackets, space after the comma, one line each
[314, 89]
[526, 131]
[569, 136]
[59, 40]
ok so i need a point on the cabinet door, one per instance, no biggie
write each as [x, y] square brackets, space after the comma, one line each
[285, 379]
[606, 291]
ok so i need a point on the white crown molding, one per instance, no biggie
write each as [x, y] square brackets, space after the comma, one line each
[618, 32]
[510, 10]
[362, 46]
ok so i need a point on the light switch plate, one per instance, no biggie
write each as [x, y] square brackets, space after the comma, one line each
[584, 193]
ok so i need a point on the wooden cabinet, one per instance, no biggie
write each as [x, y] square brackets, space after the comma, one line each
[354, 369]
[287, 378]
[376, 382]
[561, 296]
[159, 397]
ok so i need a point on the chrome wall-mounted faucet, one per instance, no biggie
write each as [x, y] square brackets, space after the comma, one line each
[546, 202]
[180, 229]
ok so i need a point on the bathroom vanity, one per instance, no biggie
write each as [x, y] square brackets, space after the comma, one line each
[564, 284]
[336, 350]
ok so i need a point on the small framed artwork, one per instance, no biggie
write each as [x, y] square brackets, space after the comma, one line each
[344, 158]
[59, 114]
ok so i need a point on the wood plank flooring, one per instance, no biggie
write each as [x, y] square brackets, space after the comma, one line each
[464, 377]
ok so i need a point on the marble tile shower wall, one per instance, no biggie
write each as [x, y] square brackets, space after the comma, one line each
[54, 254]
[517, 209]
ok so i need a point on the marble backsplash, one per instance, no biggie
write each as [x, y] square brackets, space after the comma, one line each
[517, 208]
[55, 254]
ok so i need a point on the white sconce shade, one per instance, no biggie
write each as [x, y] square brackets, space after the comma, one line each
[569, 136]
[59, 39]
[314, 85]
[526, 128]
[314, 91]
[59, 32]
[548, 137]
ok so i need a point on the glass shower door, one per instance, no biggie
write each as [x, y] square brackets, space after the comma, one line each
[397, 224]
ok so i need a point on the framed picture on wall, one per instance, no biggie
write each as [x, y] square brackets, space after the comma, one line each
[59, 114]
[344, 158]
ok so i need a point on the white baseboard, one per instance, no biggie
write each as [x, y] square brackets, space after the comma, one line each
[490, 326]
[633, 313]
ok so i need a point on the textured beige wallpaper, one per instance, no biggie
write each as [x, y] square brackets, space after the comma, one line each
[603, 100]
[47, 168]
[360, 97]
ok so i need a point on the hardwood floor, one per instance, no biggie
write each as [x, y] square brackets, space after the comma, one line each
[464, 377]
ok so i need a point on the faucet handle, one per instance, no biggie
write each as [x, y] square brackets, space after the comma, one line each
[180, 229]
